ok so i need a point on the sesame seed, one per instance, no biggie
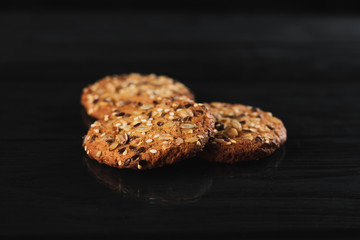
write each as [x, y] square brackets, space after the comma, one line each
[159, 109]
[153, 150]
[149, 140]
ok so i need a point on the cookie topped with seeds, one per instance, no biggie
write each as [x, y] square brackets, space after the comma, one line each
[242, 133]
[144, 136]
[111, 92]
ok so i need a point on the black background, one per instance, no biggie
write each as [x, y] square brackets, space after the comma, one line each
[300, 62]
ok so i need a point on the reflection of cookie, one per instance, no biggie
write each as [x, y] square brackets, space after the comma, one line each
[184, 183]
[242, 133]
[144, 136]
[105, 95]
[265, 168]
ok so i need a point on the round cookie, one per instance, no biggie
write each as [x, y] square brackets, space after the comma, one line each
[242, 133]
[102, 97]
[144, 136]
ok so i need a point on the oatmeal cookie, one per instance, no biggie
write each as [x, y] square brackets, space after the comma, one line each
[144, 136]
[242, 133]
[111, 92]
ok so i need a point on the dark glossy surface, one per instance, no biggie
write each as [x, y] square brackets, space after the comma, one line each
[303, 68]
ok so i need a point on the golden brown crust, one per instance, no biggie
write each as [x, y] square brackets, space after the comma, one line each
[242, 133]
[102, 97]
[144, 136]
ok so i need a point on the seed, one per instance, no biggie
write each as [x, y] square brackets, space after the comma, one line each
[132, 138]
[155, 102]
[188, 118]
[246, 130]
[165, 137]
[188, 105]
[143, 129]
[199, 111]
[127, 162]
[95, 101]
[235, 124]
[122, 138]
[136, 113]
[149, 140]
[247, 136]
[159, 109]
[219, 126]
[140, 150]
[169, 124]
[179, 107]
[188, 125]
[226, 139]
[110, 140]
[93, 138]
[119, 162]
[125, 152]
[113, 146]
[146, 107]
[259, 138]
[138, 124]
[176, 119]
[219, 140]
[270, 127]
[231, 132]
[136, 156]
[185, 113]
[242, 122]
[121, 150]
[153, 150]
[119, 114]
[164, 147]
[131, 147]
[191, 140]
[160, 123]
[198, 143]
[179, 141]
[98, 154]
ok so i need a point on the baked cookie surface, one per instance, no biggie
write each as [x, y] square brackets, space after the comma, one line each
[102, 97]
[242, 133]
[144, 136]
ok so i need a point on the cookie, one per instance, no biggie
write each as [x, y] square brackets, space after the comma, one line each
[102, 97]
[145, 136]
[242, 133]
